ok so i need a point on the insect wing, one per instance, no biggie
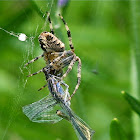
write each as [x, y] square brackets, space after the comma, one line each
[83, 131]
[43, 111]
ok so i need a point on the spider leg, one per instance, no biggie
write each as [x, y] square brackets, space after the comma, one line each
[61, 56]
[65, 62]
[58, 58]
[69, 68]
[68, 33]
[33, 60]
[78, 77]
[56, 54]
[58, 78]
[35, 73]
[42, 87]
[50, 23]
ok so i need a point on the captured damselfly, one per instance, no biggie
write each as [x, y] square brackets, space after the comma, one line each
[55, 107]
[83, 131]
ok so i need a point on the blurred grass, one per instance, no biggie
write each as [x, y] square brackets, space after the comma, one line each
[101, 36]
[135, 61]
[134, 103]
[116, 131]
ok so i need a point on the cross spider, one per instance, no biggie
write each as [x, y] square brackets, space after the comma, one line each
[56, 56]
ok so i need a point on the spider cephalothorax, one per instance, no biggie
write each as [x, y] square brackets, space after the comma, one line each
[56, 56]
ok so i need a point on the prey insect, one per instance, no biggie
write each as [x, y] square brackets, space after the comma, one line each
[55, 55]
[83, 131]
[55, 107]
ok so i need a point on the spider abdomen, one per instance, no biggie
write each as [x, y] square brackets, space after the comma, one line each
[50, 43]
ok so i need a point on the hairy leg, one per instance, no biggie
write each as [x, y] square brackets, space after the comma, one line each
[33, 60]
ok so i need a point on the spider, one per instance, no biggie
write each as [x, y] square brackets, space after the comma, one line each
[56, 56]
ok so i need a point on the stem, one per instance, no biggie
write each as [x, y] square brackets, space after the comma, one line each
[135, 63]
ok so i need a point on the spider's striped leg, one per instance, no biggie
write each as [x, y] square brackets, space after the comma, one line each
[58, 58]
[50, 23]
[69, 68]
[42, 87]
[35, 73]
[68, 33]
[57, 54]
[45, 70]
[61, 55]
[57, 78]
[78, 77]
[33, 60]
[65, 62]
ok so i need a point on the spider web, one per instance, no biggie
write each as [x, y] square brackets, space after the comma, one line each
[29, 46]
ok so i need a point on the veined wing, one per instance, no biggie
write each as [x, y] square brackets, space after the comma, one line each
[83, 131]
[43, 111]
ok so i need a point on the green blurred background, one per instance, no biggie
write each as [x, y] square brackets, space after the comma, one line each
[101, 36]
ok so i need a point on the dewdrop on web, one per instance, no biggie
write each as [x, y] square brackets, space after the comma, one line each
[20, 36]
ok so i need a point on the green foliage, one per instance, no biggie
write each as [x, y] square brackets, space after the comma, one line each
[134, 103]
[116, 131]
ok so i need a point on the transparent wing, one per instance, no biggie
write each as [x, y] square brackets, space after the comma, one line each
[83, 131]
[43, 111]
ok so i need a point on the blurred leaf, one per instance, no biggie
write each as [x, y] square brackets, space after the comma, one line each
[116, 131]
[34, 5]
[134, 103]
[62, 6]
